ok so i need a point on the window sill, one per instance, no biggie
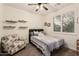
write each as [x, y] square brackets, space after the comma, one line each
[65, 33]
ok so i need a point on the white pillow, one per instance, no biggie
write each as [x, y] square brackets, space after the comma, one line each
[41, 34]
[36, 33]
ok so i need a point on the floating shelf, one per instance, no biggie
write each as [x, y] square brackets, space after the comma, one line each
[22, 27]
[9, 27]
[10, 21]
[22, 21]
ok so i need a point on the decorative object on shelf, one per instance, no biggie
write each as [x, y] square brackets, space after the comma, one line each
[22, 21]
[47, 24]
[11, 21]
[23, 27]
[9, 27]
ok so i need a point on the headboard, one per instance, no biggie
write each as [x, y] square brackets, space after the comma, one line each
[32, 30]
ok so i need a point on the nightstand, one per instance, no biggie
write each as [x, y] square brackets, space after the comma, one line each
[77, 47]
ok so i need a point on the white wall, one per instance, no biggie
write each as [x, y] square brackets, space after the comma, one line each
[69, 38]
[1, 16]
[10, 13]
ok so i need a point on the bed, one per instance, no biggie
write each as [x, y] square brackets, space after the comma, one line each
[44, 42]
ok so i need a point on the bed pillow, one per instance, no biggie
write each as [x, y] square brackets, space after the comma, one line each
[41, 34]
[36, 33]
[44, 32]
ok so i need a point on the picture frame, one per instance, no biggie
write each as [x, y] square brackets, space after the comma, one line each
[47, 24]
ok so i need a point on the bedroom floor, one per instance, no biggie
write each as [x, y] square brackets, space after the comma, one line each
[31, 50]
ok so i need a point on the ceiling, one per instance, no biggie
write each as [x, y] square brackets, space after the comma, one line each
[52, 7]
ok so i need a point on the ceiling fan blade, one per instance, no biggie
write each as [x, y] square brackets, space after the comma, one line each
[36, 10]
[45, 8]
[32, 4]
[44, 3]
[58, 3]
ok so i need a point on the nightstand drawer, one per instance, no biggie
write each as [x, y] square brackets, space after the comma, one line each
[77, 42]
[77, 48]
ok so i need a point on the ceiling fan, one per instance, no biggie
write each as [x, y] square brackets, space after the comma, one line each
[39, 6]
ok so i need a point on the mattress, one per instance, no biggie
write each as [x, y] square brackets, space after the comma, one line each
[47, 43]
[59, 41]
[42, 47]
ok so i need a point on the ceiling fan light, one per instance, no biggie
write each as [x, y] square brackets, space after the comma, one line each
[37, 7]
[41, 7]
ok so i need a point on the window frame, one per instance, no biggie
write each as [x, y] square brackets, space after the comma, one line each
[60, 22]
[61, 31]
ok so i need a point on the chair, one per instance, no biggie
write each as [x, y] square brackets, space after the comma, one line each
[12, 43]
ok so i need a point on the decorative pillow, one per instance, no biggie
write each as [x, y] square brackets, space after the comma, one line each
[20, 37]
[41, 34]
[36, 33]
[14, 35]
[44, 32]
[10, 38]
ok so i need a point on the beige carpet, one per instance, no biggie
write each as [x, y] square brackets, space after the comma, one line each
[31, 50]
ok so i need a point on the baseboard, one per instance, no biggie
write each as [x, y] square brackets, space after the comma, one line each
[72, 49]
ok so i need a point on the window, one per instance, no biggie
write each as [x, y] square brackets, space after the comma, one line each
[68, 22]
[64, 23]
[57, 23]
